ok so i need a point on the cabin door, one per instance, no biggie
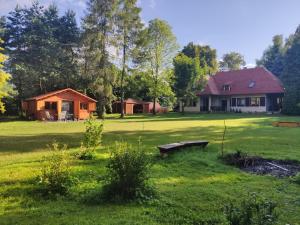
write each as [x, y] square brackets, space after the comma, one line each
[68, 106]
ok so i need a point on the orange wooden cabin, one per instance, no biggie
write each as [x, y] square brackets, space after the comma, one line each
[53, 105]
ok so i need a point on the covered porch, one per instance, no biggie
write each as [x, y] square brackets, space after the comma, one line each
[211, 103]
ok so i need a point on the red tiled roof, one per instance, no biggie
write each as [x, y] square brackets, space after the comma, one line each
[57, 92]
[263, 81]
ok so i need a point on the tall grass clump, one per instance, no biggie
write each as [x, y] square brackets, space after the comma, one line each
[253, 210]
[127, 175]
[92, 138]
[55, 177]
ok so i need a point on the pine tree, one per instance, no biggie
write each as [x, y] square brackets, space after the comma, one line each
[291, 77]
[273, 56]
[97, 38]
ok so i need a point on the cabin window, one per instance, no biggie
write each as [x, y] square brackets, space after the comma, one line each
[51, 105]
[83, 106]
[226, 87]
[47, 105]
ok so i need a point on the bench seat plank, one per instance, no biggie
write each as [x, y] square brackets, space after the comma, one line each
[175, 146]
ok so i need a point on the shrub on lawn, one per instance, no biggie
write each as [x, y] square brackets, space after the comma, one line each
[128, 174]
[253, 210]
[296, 179]
[92, 139]
[55, 176]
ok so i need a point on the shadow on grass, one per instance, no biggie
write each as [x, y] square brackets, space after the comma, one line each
[29, 143]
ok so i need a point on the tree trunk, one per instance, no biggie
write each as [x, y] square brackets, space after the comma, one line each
[122, 78]
[101, 108]
[154, 107]
[182, 107]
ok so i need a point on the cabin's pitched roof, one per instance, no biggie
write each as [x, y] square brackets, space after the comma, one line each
[39, 97]
[245, 81]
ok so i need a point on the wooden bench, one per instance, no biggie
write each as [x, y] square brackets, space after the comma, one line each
[165, 149]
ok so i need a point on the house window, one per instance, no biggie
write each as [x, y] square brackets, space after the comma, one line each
[255, 101]
[241, 101]
[226, 87]
[84, 106]
[233, 102]
[251, 84]
[51, 105]
[262, 101]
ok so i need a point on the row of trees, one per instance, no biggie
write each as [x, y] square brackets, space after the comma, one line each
[282, 59]
[112, 55]
[47, 51]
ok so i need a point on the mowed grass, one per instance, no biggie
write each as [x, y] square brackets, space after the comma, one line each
[193, 185]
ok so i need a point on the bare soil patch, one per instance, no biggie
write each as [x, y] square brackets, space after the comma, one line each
[262, 166]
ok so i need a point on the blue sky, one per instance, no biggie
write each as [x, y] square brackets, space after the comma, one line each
[245, 26]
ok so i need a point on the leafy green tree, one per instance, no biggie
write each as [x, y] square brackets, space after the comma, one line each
[187, 76]
[96, 69]
[128, 23]
[273, 56]
[206, 55]
[291, 77]
[4, 77]
[41, 46]
[159, 48]
[232, 61]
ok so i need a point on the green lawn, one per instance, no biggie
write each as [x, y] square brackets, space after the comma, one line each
[193, 185]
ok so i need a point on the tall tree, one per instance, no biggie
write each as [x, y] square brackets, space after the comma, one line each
[159, 48]
[206, 55]
[273, 56]
[96, 68]
[128, 28]
[4, 77]
[40, 49]
[232, 61]
[291, 76]
[187, 76]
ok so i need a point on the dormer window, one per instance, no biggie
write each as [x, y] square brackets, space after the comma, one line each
[251, 84]
[226, 87]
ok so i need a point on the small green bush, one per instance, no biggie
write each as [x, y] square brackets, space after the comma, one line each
[128, 174]
[252, 211]
[55, 178]
[92, 139]
[296, 179]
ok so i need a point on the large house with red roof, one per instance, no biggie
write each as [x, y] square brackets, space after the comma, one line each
[245, 90]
